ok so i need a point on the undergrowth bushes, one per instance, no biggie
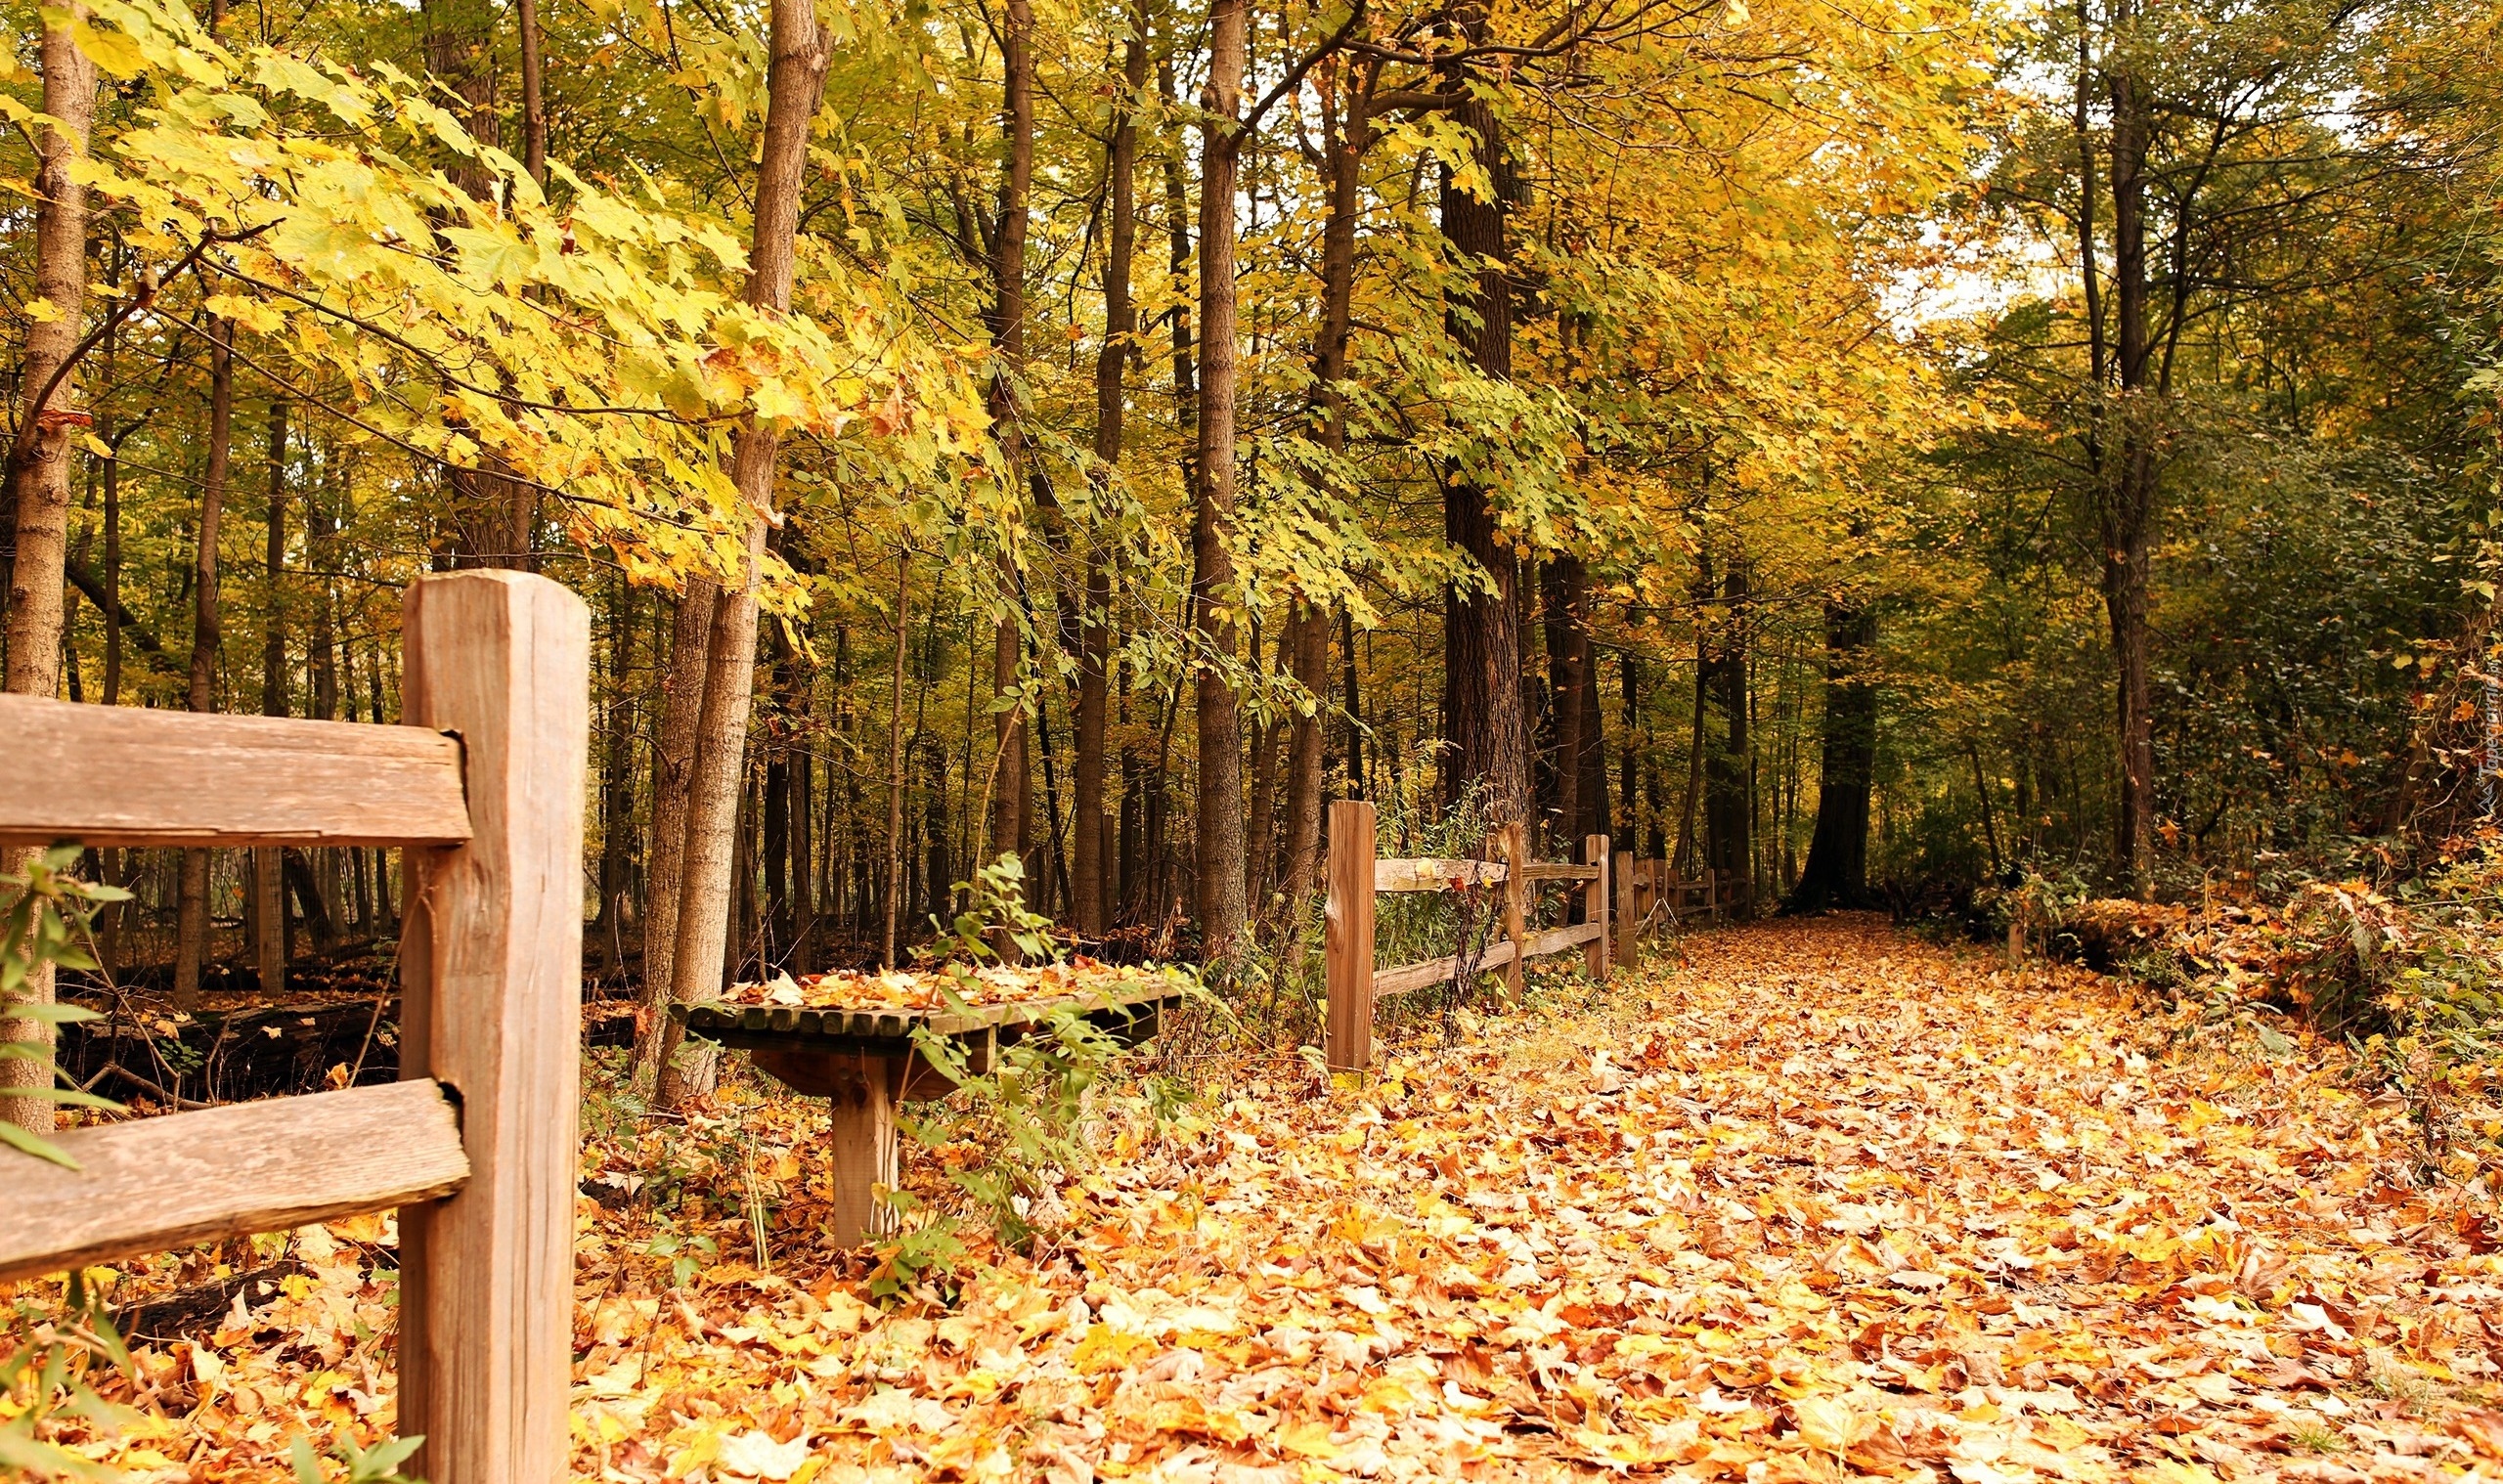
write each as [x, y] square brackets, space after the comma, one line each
[2408, 975]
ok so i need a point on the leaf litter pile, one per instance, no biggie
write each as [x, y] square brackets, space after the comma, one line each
[1824, 1201]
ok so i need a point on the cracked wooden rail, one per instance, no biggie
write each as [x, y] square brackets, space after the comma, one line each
[863, 1063]
[475, 1147]
[1357, 876]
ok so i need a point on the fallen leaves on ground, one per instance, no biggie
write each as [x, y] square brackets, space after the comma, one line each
[1827, 1202]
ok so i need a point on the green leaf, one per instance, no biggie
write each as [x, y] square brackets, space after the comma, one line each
[42, 1148]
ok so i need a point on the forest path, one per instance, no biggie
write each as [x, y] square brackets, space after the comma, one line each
[1825, 1199]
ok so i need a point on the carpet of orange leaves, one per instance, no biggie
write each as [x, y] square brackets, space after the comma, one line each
[1823, 1200]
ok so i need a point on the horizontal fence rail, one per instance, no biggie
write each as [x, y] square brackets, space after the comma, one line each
[158, 1183]
[127, 775]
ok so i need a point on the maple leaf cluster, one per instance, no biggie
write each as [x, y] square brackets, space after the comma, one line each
[925, 989]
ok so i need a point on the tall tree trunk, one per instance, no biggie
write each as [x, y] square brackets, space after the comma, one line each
[1093, 862]
[1597, 818]
[1485, 722]
[1836, 874]
[39, 473]
[192, 924]
[616, 779]
[894, 878]
[533, 106]
[665, 850]
[1568, 648]
[1219, 863]
[1351, 701]
[1012, 788]
[2127, 466]
[1729, 812]
[795, 85]
[1349, 133]
[269, 862]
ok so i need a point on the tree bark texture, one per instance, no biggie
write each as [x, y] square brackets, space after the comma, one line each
[1487, 726]
[39, 478]
[1012, 791]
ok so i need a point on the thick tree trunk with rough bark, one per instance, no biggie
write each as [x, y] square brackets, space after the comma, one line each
[1836, 874]
[1486, 724]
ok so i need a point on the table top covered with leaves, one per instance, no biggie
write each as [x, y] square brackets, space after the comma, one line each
[851, 1007]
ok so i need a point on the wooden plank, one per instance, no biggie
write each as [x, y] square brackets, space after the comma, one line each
[492, 962]
[1558, 939]
[1407, 978]
[157, 1183]
[127, 775]
[1550, 870]
[1354, 875]
[1595, 905]
[1433, 874]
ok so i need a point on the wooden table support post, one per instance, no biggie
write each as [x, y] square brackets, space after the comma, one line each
[1595, 908]
[1347, 944]
[491, 969]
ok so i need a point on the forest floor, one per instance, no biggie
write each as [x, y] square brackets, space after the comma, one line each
[1820, 1200]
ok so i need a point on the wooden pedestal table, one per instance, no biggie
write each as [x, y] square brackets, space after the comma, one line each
[863, 1063]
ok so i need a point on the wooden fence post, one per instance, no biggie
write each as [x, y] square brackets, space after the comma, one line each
[1348, 940]
[491, 970]
[1712, 891]
[1626, 919]
[1595, 908]
[1510, 845]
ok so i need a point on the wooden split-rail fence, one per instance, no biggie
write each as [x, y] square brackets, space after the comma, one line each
[1622, 897]
[475, 1145]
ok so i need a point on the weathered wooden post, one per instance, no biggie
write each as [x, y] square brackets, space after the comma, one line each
[1595, 908]
[1348, 940]
[491, 970]
[1508, 845]
[1712, 891]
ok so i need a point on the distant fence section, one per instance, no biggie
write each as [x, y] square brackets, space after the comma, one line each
[1358, 875]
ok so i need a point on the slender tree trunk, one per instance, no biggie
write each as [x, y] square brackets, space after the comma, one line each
[895, 882]
[1219, 863]
[1729, 812]
[269, 862]
[1347, 112]
[38, 525]
[616, 779]
[1092, 906]
[665, 851]
[1836, 874]
[1567, 665]
[192, 924]
[795, 86]
[2127, 492]
[1351, 701]
[534, 107]
[1487, 728]
[1012, 790]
